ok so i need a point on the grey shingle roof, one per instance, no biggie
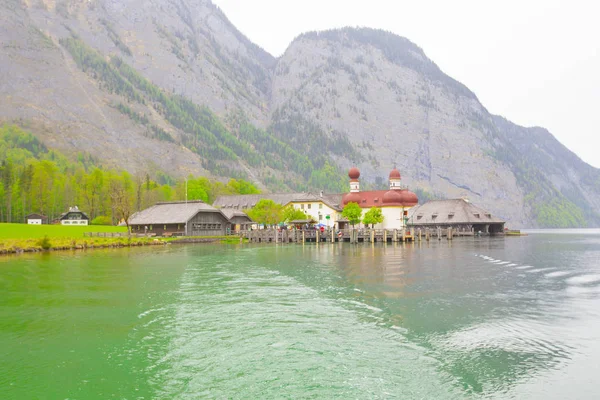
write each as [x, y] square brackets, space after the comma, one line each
[243, 201]
[171, 213]
[231, 213]
[450, 212]
[249, 200]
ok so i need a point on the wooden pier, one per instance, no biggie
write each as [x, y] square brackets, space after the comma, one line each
[350, 235]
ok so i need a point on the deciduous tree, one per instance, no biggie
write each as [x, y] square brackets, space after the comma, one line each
[293, 214]
[266, 212]
[352, 212]
[373, 216]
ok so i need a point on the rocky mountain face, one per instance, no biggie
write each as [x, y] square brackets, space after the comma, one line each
[172, 85]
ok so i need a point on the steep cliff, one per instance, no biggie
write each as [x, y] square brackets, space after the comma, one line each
[397, 107]
[174, 86]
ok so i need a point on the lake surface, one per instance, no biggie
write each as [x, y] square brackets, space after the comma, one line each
[499, 318]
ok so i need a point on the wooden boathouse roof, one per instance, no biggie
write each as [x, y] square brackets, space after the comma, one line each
[178, 212]
[232, 213]
[450, 212]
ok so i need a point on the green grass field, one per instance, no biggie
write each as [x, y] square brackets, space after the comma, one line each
[23, 231]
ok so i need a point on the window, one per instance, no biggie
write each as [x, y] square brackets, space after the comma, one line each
[302, 206]
[450, 215]
[476, 215]
[320, 206]
[320, 217]
[165, 228]
[309, 206]
[377, 200]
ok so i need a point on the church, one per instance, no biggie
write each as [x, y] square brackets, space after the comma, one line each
[394, 203]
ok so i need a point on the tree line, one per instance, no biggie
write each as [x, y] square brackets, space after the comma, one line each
[35, 179]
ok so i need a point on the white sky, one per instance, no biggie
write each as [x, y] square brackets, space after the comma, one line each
[536, 62]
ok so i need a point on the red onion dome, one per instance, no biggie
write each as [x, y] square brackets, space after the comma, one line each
[351, 198]
[409, 198]
[392, 197]
[354, 173]
[395, 174]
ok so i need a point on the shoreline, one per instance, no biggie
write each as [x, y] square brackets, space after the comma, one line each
[31, 246]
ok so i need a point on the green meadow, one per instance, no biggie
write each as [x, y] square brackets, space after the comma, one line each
[16, 238]
[23, 231]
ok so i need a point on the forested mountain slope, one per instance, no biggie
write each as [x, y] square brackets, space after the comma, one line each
[173, 86]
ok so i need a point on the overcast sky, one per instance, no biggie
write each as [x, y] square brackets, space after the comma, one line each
[536, 62]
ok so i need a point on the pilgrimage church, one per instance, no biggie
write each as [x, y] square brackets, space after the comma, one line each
[394, 203]
[327, 209]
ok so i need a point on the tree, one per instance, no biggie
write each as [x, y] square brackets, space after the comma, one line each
[6, 173]
[242, 187]
[198, 188]
[266, 212]
[92, 186]
[121, 196]
[352, 212]
[290, 213]
[373, 216]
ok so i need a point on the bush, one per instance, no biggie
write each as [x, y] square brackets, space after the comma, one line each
[44, 243]
[102, 220]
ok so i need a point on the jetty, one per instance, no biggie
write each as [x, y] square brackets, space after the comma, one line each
[351, 235]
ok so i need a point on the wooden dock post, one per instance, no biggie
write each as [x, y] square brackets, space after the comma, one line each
[439, 233]
[449, 234]
[317, 236]
[303, 237]
[419, 234]
[372, 236]
[332, 235]
[395, 236]
[427, 237]
[403, 235]
[385, 236]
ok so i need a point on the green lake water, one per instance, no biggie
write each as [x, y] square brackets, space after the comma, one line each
[499, 318]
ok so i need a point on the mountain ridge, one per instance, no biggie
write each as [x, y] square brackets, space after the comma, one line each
[179, 83]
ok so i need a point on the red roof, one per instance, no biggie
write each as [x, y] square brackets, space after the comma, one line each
[395, 174]
[374, 198]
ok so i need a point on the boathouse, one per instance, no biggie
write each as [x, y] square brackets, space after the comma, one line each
[192, 218]
[458, 214]
[240, 221]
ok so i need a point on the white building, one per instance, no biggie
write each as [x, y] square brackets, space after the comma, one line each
[36, 219]
[74, 217]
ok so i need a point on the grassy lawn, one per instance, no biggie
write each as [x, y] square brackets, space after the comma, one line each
[23, 231]
[17, 237]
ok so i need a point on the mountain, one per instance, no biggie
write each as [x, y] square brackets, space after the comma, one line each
[173, 86]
